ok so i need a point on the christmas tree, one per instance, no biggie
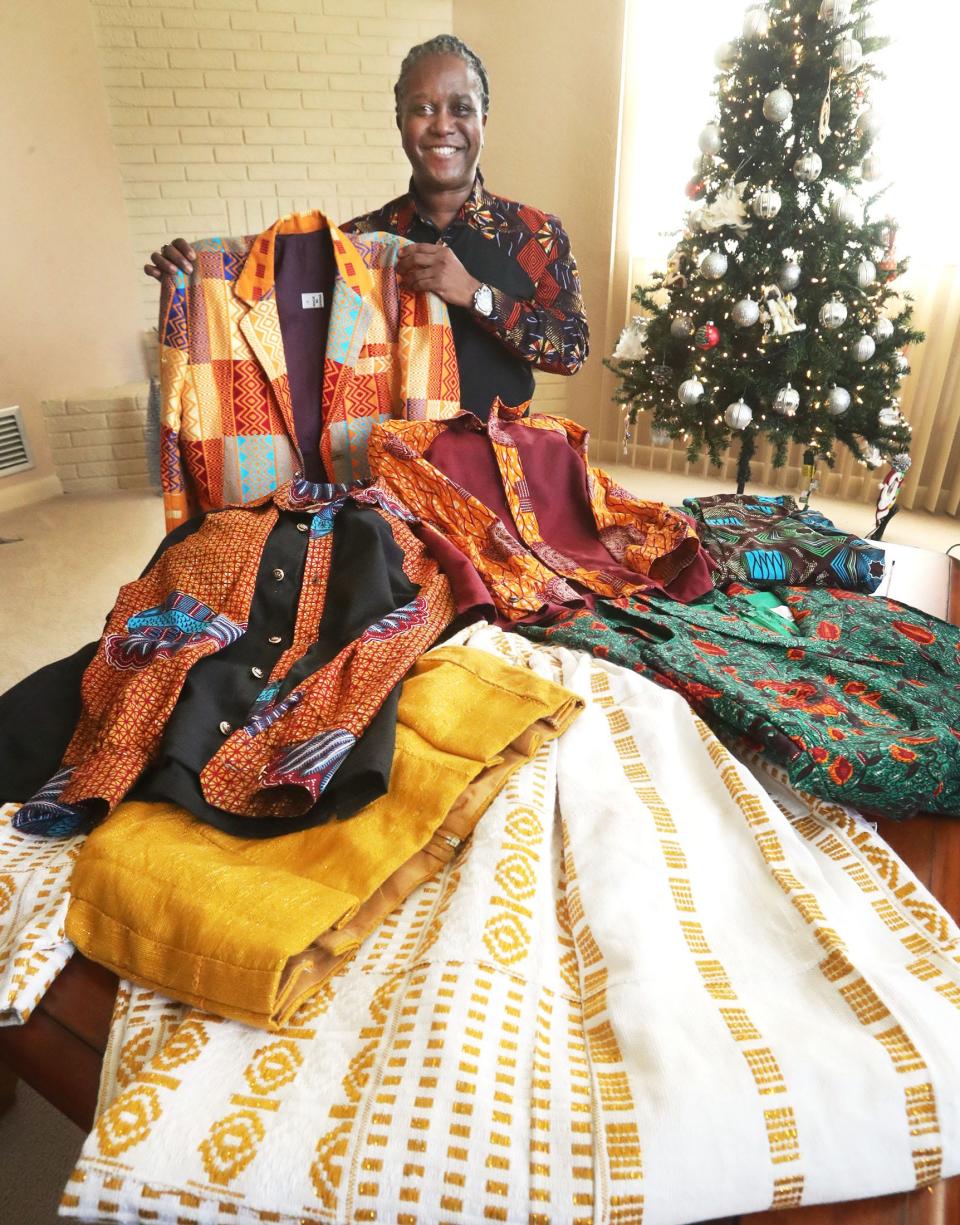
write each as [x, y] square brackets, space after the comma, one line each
[776, 313]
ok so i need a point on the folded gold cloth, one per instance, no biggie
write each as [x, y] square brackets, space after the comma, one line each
[248, 928]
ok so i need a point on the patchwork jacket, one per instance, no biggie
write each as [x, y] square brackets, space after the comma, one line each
[227, 424]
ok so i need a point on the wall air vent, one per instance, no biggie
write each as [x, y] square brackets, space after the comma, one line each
[14, 453]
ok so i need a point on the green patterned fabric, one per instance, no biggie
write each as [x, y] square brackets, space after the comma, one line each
[862, 706]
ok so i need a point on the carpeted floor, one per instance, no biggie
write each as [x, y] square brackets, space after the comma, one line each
[59, 575]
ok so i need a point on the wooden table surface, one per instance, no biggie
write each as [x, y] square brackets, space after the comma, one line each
[59, 1050]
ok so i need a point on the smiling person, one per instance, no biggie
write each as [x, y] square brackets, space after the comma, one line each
[504, 269]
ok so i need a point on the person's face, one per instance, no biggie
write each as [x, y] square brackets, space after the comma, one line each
[441, 123]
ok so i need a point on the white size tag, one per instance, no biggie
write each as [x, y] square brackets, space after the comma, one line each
[311, 301]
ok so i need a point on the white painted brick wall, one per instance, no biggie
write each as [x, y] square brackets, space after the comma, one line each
[98, 441]
[228, 113]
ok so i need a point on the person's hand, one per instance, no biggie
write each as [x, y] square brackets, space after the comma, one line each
[425, 266]
[177, 256]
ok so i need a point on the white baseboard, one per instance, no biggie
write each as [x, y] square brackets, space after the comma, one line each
[25, 493]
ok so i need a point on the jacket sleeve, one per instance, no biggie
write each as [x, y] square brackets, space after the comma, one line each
[174, 360]
[550, 329]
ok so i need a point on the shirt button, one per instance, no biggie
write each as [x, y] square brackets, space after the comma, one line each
[226, 728]
[303, 527]
[257, 672]
[275, 639]
[278, 574]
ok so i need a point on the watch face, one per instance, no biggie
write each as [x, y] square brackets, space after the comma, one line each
[483, 300]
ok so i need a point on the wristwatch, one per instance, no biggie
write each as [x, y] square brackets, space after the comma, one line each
[483, 301]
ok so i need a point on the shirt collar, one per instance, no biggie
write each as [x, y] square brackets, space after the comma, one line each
[256, 281]
[407, 208]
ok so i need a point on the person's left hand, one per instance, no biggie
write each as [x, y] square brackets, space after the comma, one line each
[425, 266]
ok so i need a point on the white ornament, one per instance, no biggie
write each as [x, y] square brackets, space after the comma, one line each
[835, 11]
[786, 401]
[808, 167]
[689, 392]
[903, 366]
[864, 347]
[681, 327]
[872, 457]
[889, 417]
[660, 437]
[738, 415]
[778, 311]
[766, 203]
[789, 275]
[866, 273]
[833, 314]
[882, 329]
[756, 23]
[838, 401]
[848, 54]
[725, 56]
[745, 313]
[846, 209]
[631, 345]
[727, 209]
[868, 124]
[778, 104]
[871, 168]
[713, 265]
[709, 139]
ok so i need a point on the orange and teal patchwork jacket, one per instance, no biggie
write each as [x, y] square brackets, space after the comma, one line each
[228, 429]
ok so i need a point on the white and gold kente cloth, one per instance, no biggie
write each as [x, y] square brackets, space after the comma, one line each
[34, 875]
[644, 993]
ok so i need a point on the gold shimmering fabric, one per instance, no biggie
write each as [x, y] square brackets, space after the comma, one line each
[645, 994]
[249, 928]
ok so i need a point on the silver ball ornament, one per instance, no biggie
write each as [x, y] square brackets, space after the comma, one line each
[848, 54]
[868, 125]
[835, 11]
[690, 392]
[833, 314]
[709, 140]
[681, 327]
[866, 273]
[745, 313]
[903, 366]
[882, 329]
[738, 415]
[864, 347]
[871, 168]
[713, 265]
[756, 23]
[778, 104]
[766, 203]
[889, 417]
[846, 209]
[838, 401]
[786, 401]
[789, 275]
[659, 436]
[808, 167]
[725, 56]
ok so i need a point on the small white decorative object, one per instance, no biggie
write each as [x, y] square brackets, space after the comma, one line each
[786, 401]
[660, 437]
[725, 56]
[710, 140]
[903, 366]
[631, 347]
[738, 415]
[808, 167]
[838, 401]
[872, 457]
[864, 347]
[882, 329]
[690, 392]
[789, 275]
[756, 23]
[713, 265]
[681, 327]
[778, 104]
[766, 203]
[835, 11]
[871, 168]
[846, 209]
[727, 209]
[868, 124]
[745, 313]
[778, 312]
[866, 273]
[889, 416]
[848, 54]
[833, 314]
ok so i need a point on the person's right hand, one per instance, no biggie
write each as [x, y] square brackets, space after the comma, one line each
[177, 256]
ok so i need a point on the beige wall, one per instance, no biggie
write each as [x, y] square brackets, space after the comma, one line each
[68, 296]
[551, 141]
[228, 113]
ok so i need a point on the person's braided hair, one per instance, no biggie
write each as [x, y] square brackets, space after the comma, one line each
[443, 44]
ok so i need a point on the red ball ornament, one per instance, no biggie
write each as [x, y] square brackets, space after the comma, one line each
[695, 189]
[707, 336]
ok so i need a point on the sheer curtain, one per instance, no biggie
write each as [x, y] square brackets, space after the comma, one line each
[667, 101]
